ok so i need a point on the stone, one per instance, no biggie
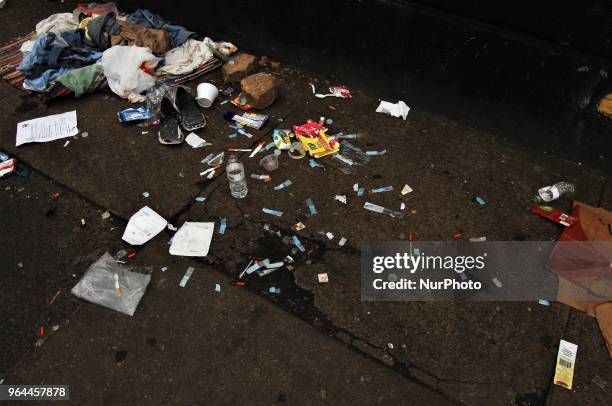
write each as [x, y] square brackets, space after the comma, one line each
[260, 90]
[237, 68]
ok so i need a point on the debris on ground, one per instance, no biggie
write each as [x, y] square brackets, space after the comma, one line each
[102, 280]
[47, 128]
[143, 226]
[566, 361]
[550, 193]
[192, 239]
[399, 109]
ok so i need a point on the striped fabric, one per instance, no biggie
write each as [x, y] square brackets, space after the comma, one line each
[10, 58]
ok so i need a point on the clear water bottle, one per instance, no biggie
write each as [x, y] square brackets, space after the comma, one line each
[236, 178]
[550, 193]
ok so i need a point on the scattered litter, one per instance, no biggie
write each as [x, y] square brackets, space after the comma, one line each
[232, 135]
[106, 215]
[329, 235]
[383, 189]
[217, 288]
[48, 128]
[55, 195]
[260, 177]
[257, 149]
[406, 189]
[192, 239]
[566, 359]
[270, 162]
[99, 285]
[379, 209]
[186, 277]
[7, 164]
[480, 200]
[311, 207]
[356, 187]
[315, 164]
[164, 268]
[550, 193]
[209, 171]
[283, 185]
[340, 198]
[299, 226]
[273, 290]
[403, 206]
[239, 149]
[555, 215]
[171, 227]
[296, 150]
[544, 302]
[256, 121]
[497, 282]
[342, 242]
[200, 199]
[146, 194]
[399, 109]
[376, 153]
[222, 226]
[245, 133]
[66, 143]
[298, 243]
[217, 160]
[142, 226]
[478, 239]
[360, 192]
[323, 278]
[133, 115]
[195, 141]
[342, 92]
[272, 212]
[207, 158]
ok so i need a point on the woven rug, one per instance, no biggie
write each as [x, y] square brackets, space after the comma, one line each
[10, 58]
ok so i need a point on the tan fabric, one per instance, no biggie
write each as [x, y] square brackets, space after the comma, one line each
[132, 34]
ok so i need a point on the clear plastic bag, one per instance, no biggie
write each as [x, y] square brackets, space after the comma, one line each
[99, 285]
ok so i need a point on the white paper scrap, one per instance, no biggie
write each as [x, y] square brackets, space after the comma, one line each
[48, 128]
[407, 189]
[192, 239]
[143, 225]
[195, 141]
[399, 109]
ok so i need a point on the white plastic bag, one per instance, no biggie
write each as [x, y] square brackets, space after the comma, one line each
[122, 68]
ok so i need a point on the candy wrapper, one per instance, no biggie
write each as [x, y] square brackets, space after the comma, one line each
[555, 215]
[341, 91]
[241, 102]
[282, 139]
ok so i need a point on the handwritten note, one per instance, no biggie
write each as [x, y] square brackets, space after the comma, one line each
[48, 128]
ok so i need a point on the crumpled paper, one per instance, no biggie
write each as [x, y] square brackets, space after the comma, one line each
[399, 109]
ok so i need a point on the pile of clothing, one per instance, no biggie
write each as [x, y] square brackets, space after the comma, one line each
[96, 42]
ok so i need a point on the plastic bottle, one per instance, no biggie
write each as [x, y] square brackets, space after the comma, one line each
[550, 193]
[236, 178]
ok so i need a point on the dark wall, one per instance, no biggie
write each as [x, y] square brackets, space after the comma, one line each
[473, 60]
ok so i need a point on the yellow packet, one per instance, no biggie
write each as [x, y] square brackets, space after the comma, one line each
[318, 146]
[566, 359]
